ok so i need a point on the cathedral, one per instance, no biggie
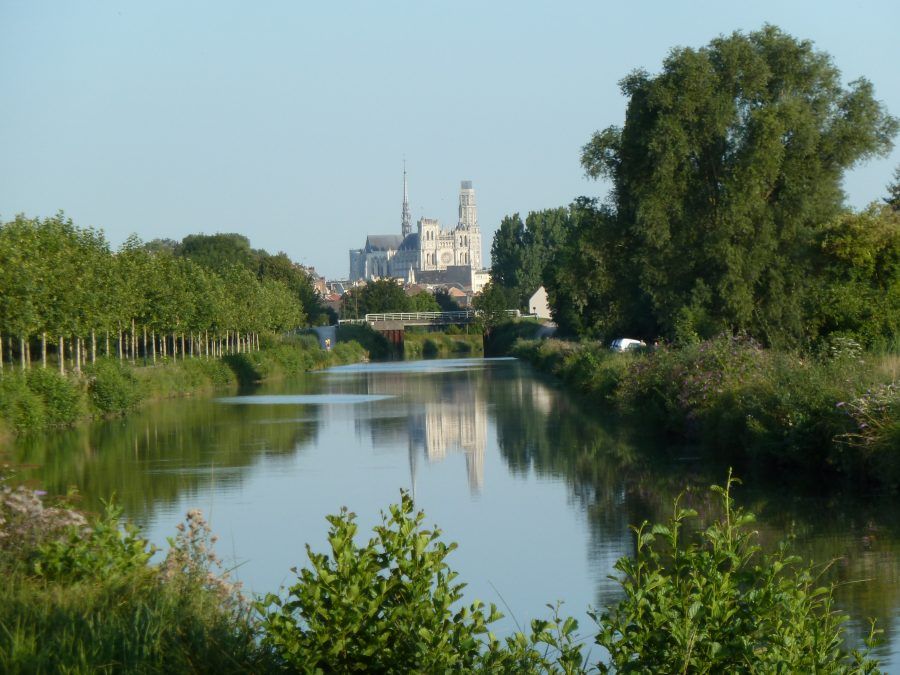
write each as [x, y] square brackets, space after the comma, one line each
[428, 255]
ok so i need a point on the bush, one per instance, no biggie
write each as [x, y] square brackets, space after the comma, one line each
[112, 386]
[81, 596]
[20, 407]
[713, 602]
[370, 339]
[389, 607]
[61, 396]
[384, 607]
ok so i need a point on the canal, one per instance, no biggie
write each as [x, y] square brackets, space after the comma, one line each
[537, 487]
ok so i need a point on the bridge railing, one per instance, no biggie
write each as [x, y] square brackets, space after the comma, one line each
[461, 316]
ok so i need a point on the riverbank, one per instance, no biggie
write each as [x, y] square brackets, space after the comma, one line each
[837, 413]
[85, 595]
[418, 345]
[42, 398]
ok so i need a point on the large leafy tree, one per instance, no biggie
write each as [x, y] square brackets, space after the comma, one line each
[521, 251]
[729, 161]
[383, 295]
[860, 261]
[218, 252]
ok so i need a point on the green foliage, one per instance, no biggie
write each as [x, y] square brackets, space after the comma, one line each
[373, 342]
[107, 547]
[714, 603]
[20, 407]
[729, 162]
[492, 304]
[733, 397]
[441, 345]
[521, 252]
[386, 606]
[376, 297]
[423, 302]
[62, 397]
[500, 340]
[218, 252]
[112, 387]
[60, 281]
[859, 296]
[893, 196]
[875, 429]
[89, 600]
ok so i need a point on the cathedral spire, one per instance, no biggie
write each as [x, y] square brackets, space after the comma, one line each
[406, 221]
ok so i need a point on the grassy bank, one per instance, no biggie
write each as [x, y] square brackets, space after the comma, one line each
[838, 411]
[82, 595]
[454, 342]
[39, 399]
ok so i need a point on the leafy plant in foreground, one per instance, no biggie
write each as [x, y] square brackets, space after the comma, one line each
[715, 603]
[391, 606]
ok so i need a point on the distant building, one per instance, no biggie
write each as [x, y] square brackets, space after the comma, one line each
[430, 255]
[537, 304]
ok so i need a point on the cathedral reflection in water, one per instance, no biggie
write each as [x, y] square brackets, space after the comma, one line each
[438, 416]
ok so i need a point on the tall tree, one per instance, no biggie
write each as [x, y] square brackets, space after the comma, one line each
[730, 160]
[893, 196]
[383, 295]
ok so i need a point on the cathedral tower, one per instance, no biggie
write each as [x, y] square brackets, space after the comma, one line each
[405, 221]
[469, 245]
[468, 214]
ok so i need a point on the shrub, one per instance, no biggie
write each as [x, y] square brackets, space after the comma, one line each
[386, 606]
[713, 602]
[61, 396]
[82, 596]
[112, 387]
[20, 407]
[107, 547]
[389, 607]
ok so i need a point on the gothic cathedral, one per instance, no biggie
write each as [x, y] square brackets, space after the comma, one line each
[431, 254]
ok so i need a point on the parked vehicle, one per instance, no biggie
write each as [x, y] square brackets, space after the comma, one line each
[626, 344]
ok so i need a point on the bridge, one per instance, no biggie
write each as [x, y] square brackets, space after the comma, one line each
[392, 324]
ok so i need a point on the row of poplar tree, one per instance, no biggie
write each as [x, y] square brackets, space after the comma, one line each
[67, 297]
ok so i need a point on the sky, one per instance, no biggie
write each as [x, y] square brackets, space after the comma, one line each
[289, 122]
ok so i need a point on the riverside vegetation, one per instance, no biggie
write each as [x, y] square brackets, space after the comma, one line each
[86, 596]
[41, 398]
[836, 411]
[726, 237]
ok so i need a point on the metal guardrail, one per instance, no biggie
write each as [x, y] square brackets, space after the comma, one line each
[424, 317]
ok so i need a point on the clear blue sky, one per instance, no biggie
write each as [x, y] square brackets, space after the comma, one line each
[289, 121]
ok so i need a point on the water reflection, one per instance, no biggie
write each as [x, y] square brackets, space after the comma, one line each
[538, 488]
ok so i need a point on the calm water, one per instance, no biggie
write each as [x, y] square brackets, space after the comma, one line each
[537, 489]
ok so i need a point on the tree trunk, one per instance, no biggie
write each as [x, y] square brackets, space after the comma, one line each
[121, 356]
[77, 345]
[22, 351]
[145, 345]
[133, 341]
[1, 353]
[153, 345]
[106, 350]
[93, 346]
[61, 356]
[44, 350]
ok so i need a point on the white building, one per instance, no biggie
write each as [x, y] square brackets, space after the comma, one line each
[538, 305]
[429, 249]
